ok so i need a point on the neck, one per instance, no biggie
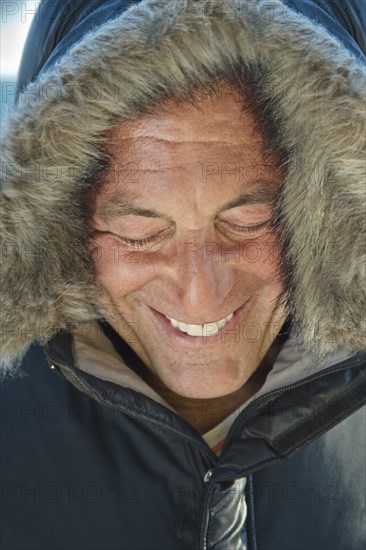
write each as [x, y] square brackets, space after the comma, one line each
[202, 414]
[205, 414]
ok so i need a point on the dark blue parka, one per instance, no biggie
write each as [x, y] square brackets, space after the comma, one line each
[93, 463]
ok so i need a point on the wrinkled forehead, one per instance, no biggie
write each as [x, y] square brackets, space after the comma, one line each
[212, 113]
[210, 141]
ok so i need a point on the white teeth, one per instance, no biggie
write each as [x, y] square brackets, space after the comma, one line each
[208, 329]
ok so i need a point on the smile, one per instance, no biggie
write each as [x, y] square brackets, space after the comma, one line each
[206, 329]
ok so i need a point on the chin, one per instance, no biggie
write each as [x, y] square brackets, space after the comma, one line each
[204, 381]
[205, 393]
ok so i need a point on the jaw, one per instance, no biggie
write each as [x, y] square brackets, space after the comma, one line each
[199, 367]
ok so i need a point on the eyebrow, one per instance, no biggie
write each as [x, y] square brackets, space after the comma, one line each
[118, 204]
[262, 192]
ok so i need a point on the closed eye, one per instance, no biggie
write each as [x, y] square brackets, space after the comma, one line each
[135, 243]
[247, 229]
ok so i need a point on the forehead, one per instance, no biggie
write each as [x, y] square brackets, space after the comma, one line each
[210, 148]
[218, 118]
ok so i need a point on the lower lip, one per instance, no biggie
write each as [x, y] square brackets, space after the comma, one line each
[226, 333]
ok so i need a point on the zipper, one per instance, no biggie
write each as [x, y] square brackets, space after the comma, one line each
[207, 493]
[206, 474]
[346, 18]
[251, 525]
[75, 8]
[239, 419]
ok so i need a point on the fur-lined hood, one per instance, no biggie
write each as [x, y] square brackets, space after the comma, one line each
[53, 144]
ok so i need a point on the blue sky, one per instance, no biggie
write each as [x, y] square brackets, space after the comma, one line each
[16, 18]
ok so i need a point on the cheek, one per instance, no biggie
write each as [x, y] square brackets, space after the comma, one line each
[118, 270]
[260, 258]
[121, 271]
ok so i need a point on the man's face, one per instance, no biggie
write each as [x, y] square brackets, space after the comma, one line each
[182, 234]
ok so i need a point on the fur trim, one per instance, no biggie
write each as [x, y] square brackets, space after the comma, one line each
[52, 143]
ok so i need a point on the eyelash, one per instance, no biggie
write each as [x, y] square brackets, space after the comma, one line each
[243, 229]
[141, 242]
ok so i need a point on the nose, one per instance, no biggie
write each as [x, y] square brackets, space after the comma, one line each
[204, 281]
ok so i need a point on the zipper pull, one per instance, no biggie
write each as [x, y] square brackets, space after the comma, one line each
[55, 369]
[208, 476]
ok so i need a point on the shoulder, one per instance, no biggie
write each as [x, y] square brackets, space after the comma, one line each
[316, 498]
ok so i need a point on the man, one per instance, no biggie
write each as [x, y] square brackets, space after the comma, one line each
[183, 193]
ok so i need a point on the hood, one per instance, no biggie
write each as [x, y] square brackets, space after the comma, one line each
[309, 82]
